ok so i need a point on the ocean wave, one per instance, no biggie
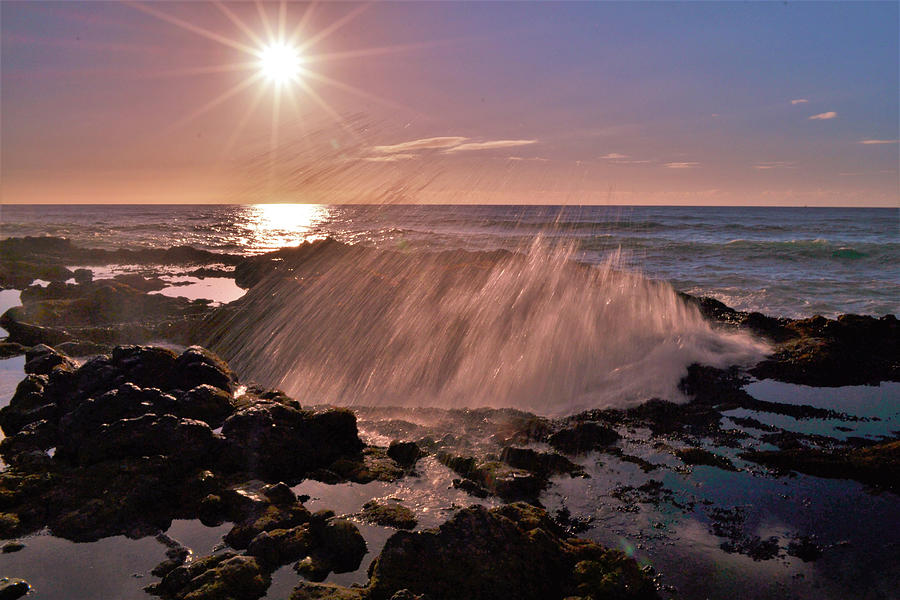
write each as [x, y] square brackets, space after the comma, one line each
[534, 330]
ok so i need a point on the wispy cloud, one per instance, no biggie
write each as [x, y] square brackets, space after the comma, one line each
[535, 158]
[775, 164]
[631, 162]
[682, 165]
[390, 157]
[873, 142]
[433, 143]
[490, 145]
[799, 101]
[614, 156]
[823, 116]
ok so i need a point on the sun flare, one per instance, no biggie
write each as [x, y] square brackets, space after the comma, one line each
[280, 62]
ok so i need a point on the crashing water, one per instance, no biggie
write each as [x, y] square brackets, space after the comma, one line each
[535, 331]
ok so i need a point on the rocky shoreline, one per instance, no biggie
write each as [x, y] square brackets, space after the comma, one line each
[138, 435]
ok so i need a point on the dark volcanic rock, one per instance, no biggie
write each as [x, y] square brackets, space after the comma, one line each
[493, 477]
[877, 465]
[583, 437]
[405, 453]
[388, 514]
[10, 589]
[699, 456]
[278, 442]
[544, 464]
[218, 577]
[515, 551]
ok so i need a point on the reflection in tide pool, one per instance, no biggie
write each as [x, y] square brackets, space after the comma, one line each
[273, 226]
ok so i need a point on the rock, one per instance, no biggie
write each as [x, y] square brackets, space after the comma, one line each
[146, 366]
[514, 551]
[41, 360]
[280, 494]
[494, 477]
[205, 403]
[277, 442]
[10, 589]
[266, 518]
[222, 576]
[583, 437]
[405, 453]
[282, 546]
[83, 275]
[877, 465]
[699, 456]
[198, 366]
[184, 441]
[544, 464]
[388, 515]
[10, 349]
[13, 546]
[805, 548]
[342, 546]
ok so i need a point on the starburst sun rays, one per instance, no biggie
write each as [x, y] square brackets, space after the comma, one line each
[279, 59]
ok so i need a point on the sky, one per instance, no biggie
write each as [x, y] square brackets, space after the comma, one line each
[697, 103]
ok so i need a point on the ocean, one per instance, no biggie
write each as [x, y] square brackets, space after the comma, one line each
[791, 262]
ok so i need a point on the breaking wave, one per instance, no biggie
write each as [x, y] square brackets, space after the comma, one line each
[350, 325]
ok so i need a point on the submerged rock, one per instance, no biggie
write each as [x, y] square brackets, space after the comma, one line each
[877, 465]
[388, 514]
[583, 437]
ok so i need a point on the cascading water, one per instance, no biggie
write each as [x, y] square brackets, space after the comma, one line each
[350, 325]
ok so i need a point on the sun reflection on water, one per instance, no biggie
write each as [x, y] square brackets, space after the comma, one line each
[275, 226]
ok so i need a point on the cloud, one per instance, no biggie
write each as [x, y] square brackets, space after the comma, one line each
[823, 116]
[390, 157]
[873, 142]
[614, 155]
[490, 145]
[775, 164]
[433, 143]
[631, 162]
[536, 158]
[682, 165]
[799, 101]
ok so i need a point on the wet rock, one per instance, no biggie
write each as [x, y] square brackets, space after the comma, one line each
[280, 494]
[805, 547]
[205, 403]
[388, 514]
[699, 456]
[83, 348]
[514, 551]
[212, 511]
[266, 518]
[583, 437]
[13, 546]
[850, 350]
[405, 453]
[544, 464]
[41, 360]
[9, 349]
[278, 442]
[282, 546]
[499, 479]
[198, 366]
[141, 283]
[218, 577]
[10, 589]
[83, 275]
[341, 547]
[184, 441]
[877, 465]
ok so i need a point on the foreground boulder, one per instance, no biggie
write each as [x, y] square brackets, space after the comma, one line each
[514, 551]
[96, 451]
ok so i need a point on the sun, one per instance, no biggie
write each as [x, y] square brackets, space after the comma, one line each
[280, 62]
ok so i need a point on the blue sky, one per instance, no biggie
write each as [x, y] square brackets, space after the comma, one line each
[658, 103]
